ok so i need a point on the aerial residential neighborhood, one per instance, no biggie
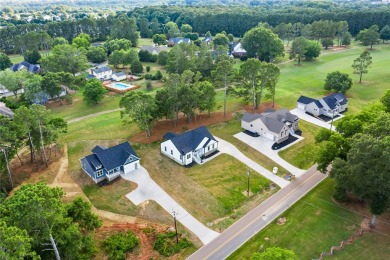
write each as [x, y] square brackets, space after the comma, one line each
[194, 129]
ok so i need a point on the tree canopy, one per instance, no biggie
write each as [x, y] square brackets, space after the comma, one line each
[361, 64]
[369, 37]
[5, 62]
[94, 91]
[340, 82]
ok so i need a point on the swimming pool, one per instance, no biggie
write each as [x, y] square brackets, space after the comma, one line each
[121, 86]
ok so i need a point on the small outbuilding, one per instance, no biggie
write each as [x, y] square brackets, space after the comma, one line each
[118, 76]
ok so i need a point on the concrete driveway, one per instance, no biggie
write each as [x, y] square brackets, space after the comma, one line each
[263, 145]
[228, 148]
[302, 115]
[149, 190]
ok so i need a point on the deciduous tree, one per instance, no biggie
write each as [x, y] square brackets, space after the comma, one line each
[139, 108]
[385, 33]
[5, 62]
[97, 54]
[369, 37]
[262, 43]
[94, 91]
[340, 82]
[298, 49]
[222, 76]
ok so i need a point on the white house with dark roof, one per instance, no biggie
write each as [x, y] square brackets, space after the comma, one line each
[102, 73]
[108, 163]
[118, 76]
[191, 146]
[238, 51]
[274, 125]
[329, 106]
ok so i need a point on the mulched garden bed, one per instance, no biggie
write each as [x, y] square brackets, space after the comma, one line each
[291, 139]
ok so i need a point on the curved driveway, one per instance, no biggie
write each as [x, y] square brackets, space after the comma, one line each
[149, 190]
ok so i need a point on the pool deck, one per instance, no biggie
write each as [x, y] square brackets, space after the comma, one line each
[111, 87]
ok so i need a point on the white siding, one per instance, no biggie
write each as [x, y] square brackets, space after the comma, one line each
[131, 166]
[170, 150]
[114, 77]
[301, 106]
[313, 109]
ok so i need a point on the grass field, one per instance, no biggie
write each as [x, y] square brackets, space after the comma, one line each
[308, 79]
[312, 226]
[210, 192]
[302, 154]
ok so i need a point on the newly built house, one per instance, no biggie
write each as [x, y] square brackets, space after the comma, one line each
[191, 146]
[24, 65]
[330, 106]
[108, 163]
[273, 125]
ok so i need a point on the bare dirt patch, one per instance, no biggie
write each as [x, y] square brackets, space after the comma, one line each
[163, 126]
[281, 221]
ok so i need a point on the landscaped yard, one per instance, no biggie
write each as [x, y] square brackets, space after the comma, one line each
[312, 226]
[226, 131]
[303, 153]
[211, 192]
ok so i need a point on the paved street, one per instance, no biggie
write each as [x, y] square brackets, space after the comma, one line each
[246, 227]
[264, 146]
[302, 115]
[149, 190]
[228, 148]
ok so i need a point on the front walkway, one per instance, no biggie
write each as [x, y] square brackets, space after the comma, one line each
[311, 119]
[228, 148]
[264, 146]
[149, 190]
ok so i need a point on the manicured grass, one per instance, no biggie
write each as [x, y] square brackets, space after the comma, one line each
[312, 226]
[226, 131]
[302, 154]
[145, 41]
[213, 191]
[308, 79]
[80, 108]
[103, 127]
[225, 178]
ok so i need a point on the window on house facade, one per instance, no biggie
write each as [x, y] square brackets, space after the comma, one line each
[208, 148]
[99, 173]
[165, 148]
[181, 157]
[251, 125]
[171, 152]
[188, 156]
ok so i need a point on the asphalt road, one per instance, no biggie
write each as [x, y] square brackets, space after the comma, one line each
[246, 227]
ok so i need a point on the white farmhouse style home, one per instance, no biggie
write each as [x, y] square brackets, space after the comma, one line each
[191, 146]
[119, 76]
[274, 125]
[102, 73]
[329, 106]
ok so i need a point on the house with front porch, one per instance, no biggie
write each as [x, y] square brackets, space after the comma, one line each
[191, 146]
[274, 125]
[330, 106]
[108, 163]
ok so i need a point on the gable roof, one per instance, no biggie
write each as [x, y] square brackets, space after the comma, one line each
[113, 157]
[335, 98]
[102, 69]
[273, 120]
[119, 74]
[33, 68]
[238, 48]
[178, 40]
[207, 39]
[305, 100]
[154, 49]
[6, 111]
[189, 140]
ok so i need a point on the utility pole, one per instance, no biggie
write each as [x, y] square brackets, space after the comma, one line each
[248, 173]
[174, 213]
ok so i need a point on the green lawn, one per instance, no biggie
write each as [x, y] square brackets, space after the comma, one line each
[303, 153]
[213, 192]
[80, 108]
[17, 58]
[312, 226]
[308, 79]
[226, 131]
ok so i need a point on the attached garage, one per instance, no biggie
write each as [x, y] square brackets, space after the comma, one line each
[269, 136]
[131, 166]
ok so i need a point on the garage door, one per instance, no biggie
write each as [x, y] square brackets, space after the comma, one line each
[270, 136]
[301, 106]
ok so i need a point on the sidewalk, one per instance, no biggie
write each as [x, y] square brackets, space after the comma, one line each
[149, 190]
[228, 148]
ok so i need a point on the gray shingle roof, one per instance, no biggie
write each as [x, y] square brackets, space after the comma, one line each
[119, 74]
[274, 121]
[189, 140]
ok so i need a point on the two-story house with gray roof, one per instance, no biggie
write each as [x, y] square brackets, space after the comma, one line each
[273, 125]
[190, 146]
[329, 106]
[108, 163]
[102, 73]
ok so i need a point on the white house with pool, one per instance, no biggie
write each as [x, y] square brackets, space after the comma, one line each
[191, 146]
